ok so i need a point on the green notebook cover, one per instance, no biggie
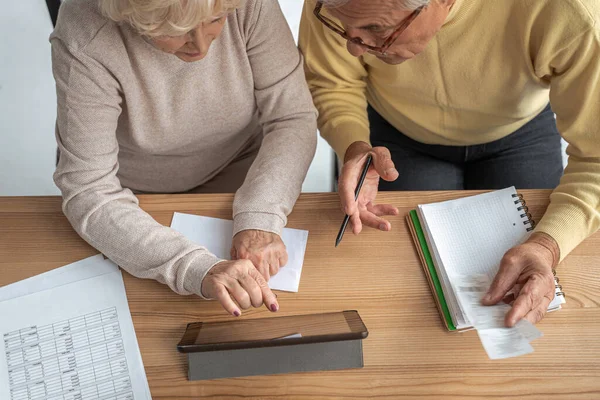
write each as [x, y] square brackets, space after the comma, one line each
[434, 277]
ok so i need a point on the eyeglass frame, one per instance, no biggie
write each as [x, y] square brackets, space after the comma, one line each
[358, 41]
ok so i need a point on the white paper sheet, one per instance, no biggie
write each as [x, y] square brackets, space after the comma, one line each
[216, 235]
[77, 271]
[498, 341]
[68, 334]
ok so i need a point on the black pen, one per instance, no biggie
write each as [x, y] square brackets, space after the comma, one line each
[356, 192]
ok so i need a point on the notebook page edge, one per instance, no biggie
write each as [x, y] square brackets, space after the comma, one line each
[503, 195]
[457, 315]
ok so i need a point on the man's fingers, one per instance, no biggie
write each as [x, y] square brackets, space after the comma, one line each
[233, 253]
[222, 295]
[505, 279]
[382, 161]
[356, 223]
[371, 220]
[522, 305]
[347, 185]
[530, 297]
[534, 316]
[382, 209]
[269, 298]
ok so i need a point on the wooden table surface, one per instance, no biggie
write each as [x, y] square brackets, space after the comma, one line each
[408, 354]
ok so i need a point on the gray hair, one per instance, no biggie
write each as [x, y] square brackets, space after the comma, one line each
[409, 5]
[165, 17]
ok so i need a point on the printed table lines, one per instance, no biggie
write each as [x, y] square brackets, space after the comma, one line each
[77, 359]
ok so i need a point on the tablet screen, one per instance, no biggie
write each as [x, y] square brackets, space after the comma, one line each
[306, 327]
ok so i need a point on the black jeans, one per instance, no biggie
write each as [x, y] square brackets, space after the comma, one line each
[530, 158]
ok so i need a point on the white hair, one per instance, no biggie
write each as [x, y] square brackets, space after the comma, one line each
[409, 5]
[165, 17]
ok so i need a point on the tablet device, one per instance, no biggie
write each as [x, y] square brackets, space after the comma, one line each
[272, 331]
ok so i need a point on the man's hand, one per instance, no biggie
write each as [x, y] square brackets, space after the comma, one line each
[529, 266]
[265, 249]
[364, 211]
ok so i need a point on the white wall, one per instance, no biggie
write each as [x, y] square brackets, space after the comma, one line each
[320, 177]
[28, 103]
[27, 100]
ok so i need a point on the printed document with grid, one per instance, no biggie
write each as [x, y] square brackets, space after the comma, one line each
[68, 335]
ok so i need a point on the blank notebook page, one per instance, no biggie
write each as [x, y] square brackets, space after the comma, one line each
[472, 234]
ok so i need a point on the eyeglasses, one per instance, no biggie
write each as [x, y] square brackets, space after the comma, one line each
[358, 41]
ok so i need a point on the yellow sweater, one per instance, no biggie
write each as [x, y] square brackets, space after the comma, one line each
[492, 68]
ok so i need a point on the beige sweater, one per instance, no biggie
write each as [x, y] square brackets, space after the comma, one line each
[133, 117]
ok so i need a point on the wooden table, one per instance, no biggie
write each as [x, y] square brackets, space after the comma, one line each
[408, 354]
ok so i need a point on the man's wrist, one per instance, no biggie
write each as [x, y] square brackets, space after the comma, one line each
[355, 148]
[548, 243]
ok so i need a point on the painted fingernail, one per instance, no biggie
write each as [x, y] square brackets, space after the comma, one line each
[274, 307]
[236, 313]
[383, 227]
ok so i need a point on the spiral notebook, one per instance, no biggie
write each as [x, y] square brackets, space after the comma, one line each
[469, 236]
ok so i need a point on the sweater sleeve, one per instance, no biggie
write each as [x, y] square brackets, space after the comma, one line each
[102, 212]
[574, 74]
[337, 81]
[287, 117]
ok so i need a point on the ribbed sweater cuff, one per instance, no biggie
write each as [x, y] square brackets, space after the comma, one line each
[568, 225]
[260, 221]
[192, 280]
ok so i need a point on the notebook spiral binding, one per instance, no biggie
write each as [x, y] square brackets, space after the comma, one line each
[528, 220]
[522, 206]
[557, 286]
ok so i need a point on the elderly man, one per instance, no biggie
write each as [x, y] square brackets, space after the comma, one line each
[461, 94]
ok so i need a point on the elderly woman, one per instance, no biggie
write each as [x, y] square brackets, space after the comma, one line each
[171, 96]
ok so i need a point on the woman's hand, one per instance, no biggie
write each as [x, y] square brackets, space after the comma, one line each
[265, 249]
[232, 282]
